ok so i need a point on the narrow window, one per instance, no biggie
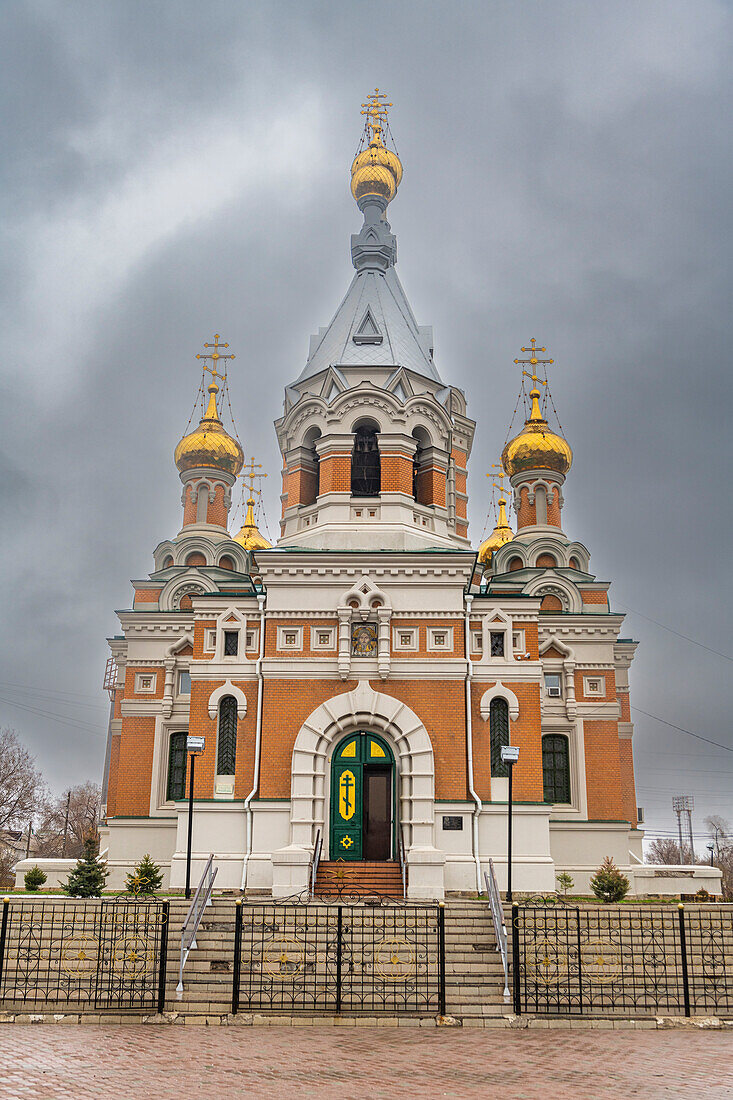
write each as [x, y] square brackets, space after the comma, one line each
[184, 683]
[231, 643]
[497, 643]
[176, 767]
[499, 735]
[553, 685]
[366, 477]
[227, 748]
[556, 768]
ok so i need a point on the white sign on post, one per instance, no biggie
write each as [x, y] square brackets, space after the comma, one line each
[195, 744]
[509, 754]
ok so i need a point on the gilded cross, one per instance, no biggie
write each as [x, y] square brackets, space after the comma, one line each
[500, 476]
[215, 356]
[376, 112]
[534, 359]
[249, 476]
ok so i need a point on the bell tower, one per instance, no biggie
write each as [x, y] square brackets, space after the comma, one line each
[374, 444]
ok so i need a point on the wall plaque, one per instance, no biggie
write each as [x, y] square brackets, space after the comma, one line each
[452, 824]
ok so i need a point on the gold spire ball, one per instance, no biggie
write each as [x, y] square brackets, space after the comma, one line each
[210, 446]
[536, 447]
[501, 534]
[377, 170]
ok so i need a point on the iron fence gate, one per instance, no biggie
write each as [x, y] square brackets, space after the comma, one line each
[101, 954]
[590, 961]
[339, 958]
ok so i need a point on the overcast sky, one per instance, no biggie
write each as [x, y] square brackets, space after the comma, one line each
[173, 169]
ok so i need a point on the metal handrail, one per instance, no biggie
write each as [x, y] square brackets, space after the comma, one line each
[201, 899]
[497, 914]
[403, 865]
[316, 860]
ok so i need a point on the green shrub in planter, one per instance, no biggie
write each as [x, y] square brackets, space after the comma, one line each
[34, 878]
[608, 883]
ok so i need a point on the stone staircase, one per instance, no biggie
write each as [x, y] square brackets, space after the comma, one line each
[474, 975]
[337, 878]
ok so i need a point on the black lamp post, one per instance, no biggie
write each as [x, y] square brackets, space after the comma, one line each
[711, 849]
[509, 756]
[194, 747]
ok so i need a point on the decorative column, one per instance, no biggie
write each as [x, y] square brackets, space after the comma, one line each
[344, 657]
[384, 616]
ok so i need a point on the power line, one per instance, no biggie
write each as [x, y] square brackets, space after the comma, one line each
[689, 733]
[679, 634]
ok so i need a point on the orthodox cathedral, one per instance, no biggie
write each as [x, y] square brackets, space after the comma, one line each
[355, 683]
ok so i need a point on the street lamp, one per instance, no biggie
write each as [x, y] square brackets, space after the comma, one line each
[711, 849]
[509, 756]
[194, 747]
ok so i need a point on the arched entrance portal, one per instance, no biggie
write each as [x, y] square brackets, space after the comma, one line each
[362, 799]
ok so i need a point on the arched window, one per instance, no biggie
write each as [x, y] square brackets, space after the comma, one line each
[225, 562]
[551, 603]
[420, 478]
[311, 480]
[168, 562]
[514, 564]
[366, 474]
[546, 561]
[556, 768]
[177, 767]
[226, 753]
[196, 558]
[499, 735]
[574, 563]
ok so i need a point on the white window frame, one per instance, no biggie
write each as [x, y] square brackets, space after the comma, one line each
[497, 628]
[210, 639]
[398, 632]
[139, 677]
[253, 645]
[520, 645]
[477, 641]
[180, 671]
[319, 646]
[231, 628]
[433, 646]
[546, 688]
[601, 693]
[290, 647]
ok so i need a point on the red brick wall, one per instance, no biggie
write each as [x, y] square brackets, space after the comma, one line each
[135, 767]
[603, 771]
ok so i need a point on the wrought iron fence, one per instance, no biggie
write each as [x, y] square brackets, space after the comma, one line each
[98, 954]
[339, 959]
[592, 961]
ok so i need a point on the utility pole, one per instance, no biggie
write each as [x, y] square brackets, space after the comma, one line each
[28, 842]
[684, 803]
[66, 824]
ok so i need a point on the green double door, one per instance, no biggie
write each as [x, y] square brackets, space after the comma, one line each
[362, 799]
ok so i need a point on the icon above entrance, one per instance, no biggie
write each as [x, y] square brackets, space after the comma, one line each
[362, 799]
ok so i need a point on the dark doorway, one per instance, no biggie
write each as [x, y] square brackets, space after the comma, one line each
[377, 815]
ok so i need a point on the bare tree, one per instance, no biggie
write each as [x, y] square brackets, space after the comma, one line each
[721, 834]
[82, 804]
[21, 784]
[666, 850]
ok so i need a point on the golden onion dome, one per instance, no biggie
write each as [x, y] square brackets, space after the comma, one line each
[376, 171]
[501, 534]
[249, 537]
[536, 447]
[209, 445]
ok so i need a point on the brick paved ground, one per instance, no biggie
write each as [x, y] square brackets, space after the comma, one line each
[108, 1062]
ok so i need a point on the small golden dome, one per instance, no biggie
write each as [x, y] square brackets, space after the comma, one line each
[501, 534]
[376, 171]
[209, 445]
[249, 537]
[536, 447]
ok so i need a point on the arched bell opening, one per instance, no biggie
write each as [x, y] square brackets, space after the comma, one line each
[366, 469]
[363, 817]
[311, 486]
[421, 486]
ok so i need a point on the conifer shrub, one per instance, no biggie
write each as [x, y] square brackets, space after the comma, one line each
[565, 882]
[146, 878]
[608, 883]
[87, 879]
[34, 878]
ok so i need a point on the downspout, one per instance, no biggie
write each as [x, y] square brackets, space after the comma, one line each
[258, 739]
[469, 745]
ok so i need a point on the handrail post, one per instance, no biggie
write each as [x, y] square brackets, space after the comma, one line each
[193, 917]
[163, 961]
[3, 934]
[339, 926]
[441, 958]
[515, 961]
[237, 957]
[683, 956]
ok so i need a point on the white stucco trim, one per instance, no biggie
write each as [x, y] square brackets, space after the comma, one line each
[218, 694]
[499, 691]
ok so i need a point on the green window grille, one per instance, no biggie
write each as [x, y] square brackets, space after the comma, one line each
[556, 768]
[499, 734]
[177, 766]
[227, 749]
